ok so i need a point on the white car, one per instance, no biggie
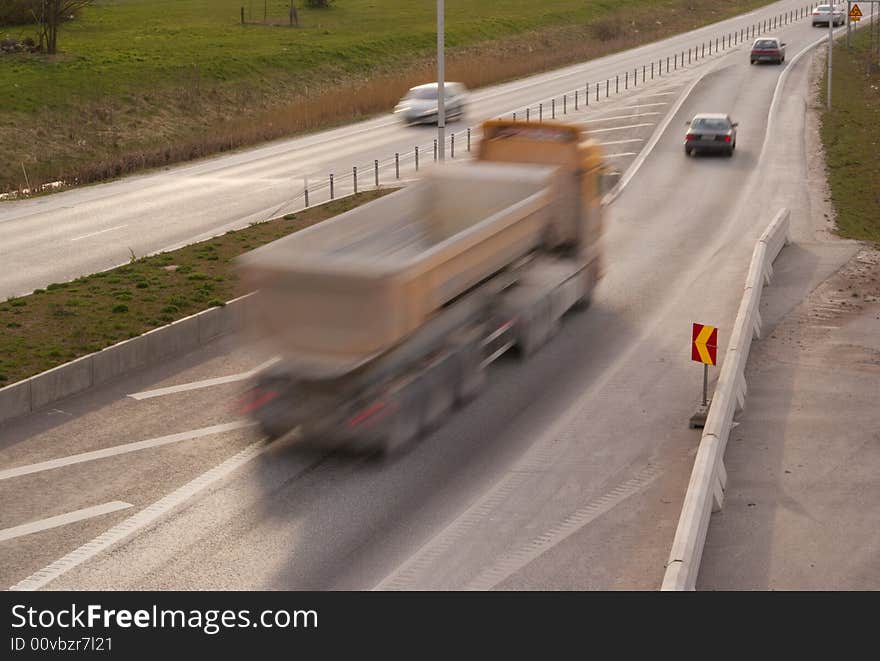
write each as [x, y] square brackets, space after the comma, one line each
[822, 14]
[419, 106]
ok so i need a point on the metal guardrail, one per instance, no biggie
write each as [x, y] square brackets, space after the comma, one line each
[705, 493]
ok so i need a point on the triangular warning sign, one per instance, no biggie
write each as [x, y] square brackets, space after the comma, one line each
[855, 13]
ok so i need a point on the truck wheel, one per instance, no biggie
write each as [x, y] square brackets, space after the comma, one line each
[472, 379]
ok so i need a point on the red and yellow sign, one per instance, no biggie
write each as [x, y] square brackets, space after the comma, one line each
[855, 14]
[704, 348]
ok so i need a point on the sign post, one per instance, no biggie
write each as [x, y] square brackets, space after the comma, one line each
[704, 349]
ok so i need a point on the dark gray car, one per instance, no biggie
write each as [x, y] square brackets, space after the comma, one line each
[710, 132]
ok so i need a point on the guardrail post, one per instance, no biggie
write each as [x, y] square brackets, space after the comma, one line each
[435, 150]
[564, 104]
[469, 138]
[540, 112]
[587, 95]
[617, 84]
[704, 50]
[354, 174]
[675, 62]
[514, 115]
[667, 65]
[626, 80]
[652, 70]
[644, 69]
[576, 99]
[527, 113]
[553, 108]
[417, 158]
[331, 185]
[396, 166]
[597, 91]
[376, 172]
[607, 86]
[636, 77]
[306, 192]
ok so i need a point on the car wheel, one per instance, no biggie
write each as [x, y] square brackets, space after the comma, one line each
[751, 61]
[687, 151]
[729, 152]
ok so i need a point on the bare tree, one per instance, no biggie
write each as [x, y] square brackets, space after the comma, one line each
[50, 14]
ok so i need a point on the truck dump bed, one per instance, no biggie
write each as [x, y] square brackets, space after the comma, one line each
[345, 290]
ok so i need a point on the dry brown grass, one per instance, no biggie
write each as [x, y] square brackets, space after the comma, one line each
[200, 119]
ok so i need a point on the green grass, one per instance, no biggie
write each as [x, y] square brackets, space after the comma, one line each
[71, 319]
[851, 136]
[141, 83]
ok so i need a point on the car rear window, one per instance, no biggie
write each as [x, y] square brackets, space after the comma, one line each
[710, 124]
[423, 93]
[765, 43]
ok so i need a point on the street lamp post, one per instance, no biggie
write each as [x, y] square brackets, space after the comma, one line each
[441, 92]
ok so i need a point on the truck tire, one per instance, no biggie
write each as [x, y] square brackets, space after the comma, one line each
[471, 377]
[404, 428]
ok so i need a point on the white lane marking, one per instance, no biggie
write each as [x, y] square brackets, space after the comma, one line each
[121, 449]
[205, 383]
[62, 520]
[512, 562]
[621, 142]
[140, 520]
[614, 119]
[626, 153]
[109, 229]
[617, 128]
[648, 105]
[659, 94]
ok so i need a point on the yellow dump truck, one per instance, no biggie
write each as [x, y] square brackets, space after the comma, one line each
[388, 316]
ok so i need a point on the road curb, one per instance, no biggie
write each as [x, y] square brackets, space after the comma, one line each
[120, 359]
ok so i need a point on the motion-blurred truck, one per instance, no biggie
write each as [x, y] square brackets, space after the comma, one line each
[387, 316]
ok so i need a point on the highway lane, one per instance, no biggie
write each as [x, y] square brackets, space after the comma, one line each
[568, 473]
[59, 237]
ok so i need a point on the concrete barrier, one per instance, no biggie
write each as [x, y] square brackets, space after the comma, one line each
[708, 480]
[123, 358]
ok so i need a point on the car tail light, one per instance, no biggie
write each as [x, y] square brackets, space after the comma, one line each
[690, 136]
[726, 138]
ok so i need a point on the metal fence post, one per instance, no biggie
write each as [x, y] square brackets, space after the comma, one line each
[376, 172]
[331, 185]
[607, 86]
[435, 149]
[540, 112]
[575, 99]
[396, 166]
[469, 139]
[626, 79]
[552, 108]
[597, 91]
[452, 145]
[514, 115]
[675, 62]
[652, 70]
[417, 158]
[644, 69]
[667, 65]
[617, 83]
[564, 104]
[354, 175]
[528, 112]
[306, 191]
[636, 77]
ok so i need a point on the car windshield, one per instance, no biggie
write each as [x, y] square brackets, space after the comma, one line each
[423, 93]
[823, 9]
[765, 43]
[710, 124]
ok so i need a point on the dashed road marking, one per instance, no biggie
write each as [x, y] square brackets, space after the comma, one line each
[614, 119]
[109, 229]
[621, 142]
[621, 155]
[62, 520]
[122, 449]
[205, 383]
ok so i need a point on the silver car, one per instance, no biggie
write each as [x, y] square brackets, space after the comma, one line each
[710, 132]
[822, 14]
[419, 106]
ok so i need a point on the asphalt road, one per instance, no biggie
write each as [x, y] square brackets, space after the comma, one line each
[59, 237]
[568, 473]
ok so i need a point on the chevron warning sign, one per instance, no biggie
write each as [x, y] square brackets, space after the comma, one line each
[855, 14]
[704, 348]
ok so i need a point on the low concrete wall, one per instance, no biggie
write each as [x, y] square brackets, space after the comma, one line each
[708, 480]
[120, 359]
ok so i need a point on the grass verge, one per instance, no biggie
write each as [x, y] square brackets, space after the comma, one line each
[851, 137]
[145, 83]
[71, 319]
